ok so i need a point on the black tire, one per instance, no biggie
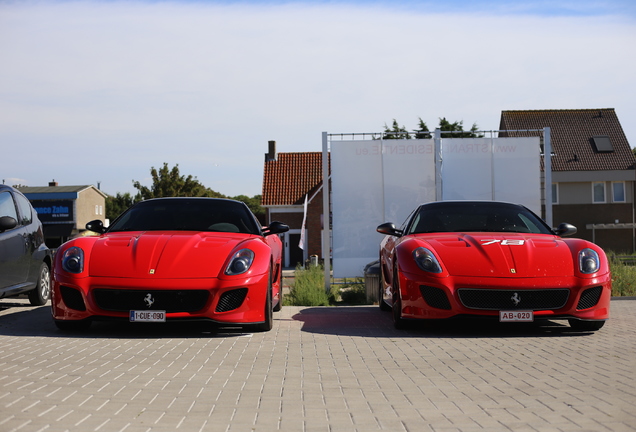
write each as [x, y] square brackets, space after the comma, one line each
[73, 326]
[279, 306]
[269, 312]
[586, 325]
[40, 295]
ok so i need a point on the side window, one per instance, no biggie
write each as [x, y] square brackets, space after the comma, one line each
[618, 191]
[25, 209]
[405, 225]
[7, 207]
[598, 192]
[555, 193]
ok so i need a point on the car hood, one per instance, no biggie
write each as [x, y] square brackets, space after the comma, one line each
[503, 255]
[158, 254]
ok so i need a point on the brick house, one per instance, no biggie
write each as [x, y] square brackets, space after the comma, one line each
[593, 171]
[289, 178]
[65, 210]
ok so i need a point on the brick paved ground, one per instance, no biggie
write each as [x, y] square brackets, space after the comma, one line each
[319, 369]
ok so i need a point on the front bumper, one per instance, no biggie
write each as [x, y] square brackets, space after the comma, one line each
[548, 298]
[235, 301]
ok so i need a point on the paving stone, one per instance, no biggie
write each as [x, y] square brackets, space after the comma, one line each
[319, 369]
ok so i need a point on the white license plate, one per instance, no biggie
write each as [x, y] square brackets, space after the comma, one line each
[147, 316]
[516, 316]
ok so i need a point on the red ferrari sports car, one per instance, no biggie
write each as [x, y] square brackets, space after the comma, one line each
[170, 259]
[491, 259]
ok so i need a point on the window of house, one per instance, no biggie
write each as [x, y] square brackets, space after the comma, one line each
[555, 193]
[598, 192]
[618, 191]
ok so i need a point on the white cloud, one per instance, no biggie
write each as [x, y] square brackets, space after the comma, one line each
[102, 91]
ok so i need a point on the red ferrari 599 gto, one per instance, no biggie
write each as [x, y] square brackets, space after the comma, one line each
[492, 259]
[171, 259]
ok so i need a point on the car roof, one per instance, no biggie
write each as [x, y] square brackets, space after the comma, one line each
[470, 203]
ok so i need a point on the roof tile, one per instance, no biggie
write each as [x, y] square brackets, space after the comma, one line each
[571, 132]
[290, 177]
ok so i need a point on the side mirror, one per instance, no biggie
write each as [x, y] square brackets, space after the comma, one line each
[96, 226]
[389, 228]
[565, 229]
[7, 223]
[275, 228]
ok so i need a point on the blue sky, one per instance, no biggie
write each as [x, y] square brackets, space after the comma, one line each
[101, 91]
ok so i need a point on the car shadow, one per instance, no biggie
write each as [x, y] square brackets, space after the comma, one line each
[26, 320]
[370, 321]
[357, 321]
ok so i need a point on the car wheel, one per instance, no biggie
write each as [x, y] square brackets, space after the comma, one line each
[586, 325]
[72, 326]
[279, 306]
[269, 313]
[40, 295]
[398, 322]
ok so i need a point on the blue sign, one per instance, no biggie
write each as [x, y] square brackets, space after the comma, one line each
[54, 211]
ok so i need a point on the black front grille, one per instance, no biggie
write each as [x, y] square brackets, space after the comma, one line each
[435, 297]
[589, 298]
[72, 298]
[124, 300]
[231, 300]
[506, 299]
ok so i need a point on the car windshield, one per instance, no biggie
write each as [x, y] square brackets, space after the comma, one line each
[475, 217]
[182, 214]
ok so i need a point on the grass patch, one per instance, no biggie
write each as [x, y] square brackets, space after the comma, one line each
[308, 289]
[623, 277]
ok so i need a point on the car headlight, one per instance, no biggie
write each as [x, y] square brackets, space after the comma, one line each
[426, 260]
[241, 262]
[73, 260]
[589, 261]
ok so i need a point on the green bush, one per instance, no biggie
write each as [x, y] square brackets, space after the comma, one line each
[308, 288]
[353, 293]
[623, 277]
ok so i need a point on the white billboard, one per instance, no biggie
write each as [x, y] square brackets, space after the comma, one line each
[376, 181]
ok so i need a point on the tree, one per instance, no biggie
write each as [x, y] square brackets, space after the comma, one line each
[170, 183]
[117, 204]
[456, 129]
[422, 132]
[396, 132]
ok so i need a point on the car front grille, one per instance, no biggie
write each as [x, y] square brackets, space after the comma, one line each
[506, 299]
[124, 300]
[231, 300]
[435, 297]
[589, 298]
[72, 298]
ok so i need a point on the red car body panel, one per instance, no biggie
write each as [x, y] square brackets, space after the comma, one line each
[141, 262]
[521, 263]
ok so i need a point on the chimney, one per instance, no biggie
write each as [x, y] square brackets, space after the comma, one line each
[271, 154]
[52, 183]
